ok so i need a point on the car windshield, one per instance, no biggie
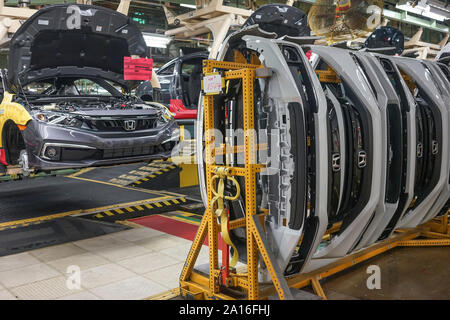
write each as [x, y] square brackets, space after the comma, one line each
[73, 87]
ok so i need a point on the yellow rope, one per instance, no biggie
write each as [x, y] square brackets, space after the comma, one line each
[222, 174]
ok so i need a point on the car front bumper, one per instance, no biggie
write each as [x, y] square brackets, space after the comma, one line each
[51, 147]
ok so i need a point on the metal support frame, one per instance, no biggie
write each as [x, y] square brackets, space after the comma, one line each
[193, 284]
[421, 49]
[197, 285]
[209, 16]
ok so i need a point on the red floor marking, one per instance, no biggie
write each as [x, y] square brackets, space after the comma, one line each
[174, 227]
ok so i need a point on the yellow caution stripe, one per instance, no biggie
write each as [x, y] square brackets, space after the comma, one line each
[147, 207]
[153, 170]
[109, 210]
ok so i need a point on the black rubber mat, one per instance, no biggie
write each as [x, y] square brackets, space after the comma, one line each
[53, 232]
[105, 174]
[191, 192]
[40, 197]
[165, 181]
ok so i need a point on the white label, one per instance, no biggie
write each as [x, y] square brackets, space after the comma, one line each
[99, 28]
[125, 31]
[212, 83]
[43, 22]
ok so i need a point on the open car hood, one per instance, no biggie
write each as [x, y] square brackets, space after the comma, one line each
[444, 55]
[48, 45]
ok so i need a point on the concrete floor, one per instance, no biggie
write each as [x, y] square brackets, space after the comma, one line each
[132, 264]
[143, 262]
[406, 273]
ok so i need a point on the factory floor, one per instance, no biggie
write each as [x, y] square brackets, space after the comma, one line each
[143, 262]
[132, 264]
[129, 239]
[406, 274]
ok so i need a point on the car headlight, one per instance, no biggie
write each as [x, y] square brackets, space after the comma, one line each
[56, 118]
[165, 116]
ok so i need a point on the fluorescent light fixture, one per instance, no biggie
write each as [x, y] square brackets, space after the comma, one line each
[192, 6]
[154, 40]
[423, 11]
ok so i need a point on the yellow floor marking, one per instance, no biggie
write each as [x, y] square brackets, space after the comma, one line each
[129, 209]
[159, 172]
[165, 295]
[148, 206]
[119, 182]
[139, 208]
[119, 211]
[167, 203]
[148, 169]
[15, 223]
[144, 179]
[137, 182]
[158, 205]
[76, 174]
[183, 220]
[175, 201]
[189, 214]
[99, 216]
[128, 177]
[109, 213]
[139, 173]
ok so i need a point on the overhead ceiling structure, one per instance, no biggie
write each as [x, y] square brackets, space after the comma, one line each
[342, 20]
[210, 16]
[428, 8]
[192, 18]
[10, 19]
[413, 19]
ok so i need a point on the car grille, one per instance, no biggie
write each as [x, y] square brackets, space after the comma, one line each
[136, 151]
[118, 125]
[76, 154]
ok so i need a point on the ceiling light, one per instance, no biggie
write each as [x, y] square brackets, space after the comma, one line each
[192, 6]
[154, 40]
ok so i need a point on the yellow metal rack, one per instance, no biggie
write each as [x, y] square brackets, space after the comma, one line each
[197, 285]
[192, 283]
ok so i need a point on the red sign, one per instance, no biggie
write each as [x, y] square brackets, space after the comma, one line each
[137, 69]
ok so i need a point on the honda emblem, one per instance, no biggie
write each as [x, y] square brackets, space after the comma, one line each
[129, 125]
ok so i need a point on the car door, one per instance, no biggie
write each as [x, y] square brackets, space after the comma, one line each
[166, 76]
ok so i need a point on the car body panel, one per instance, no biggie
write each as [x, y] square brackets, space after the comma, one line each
[416, 70]
[387, 99]
[409, 117]
[442, 81]
[344, 66]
